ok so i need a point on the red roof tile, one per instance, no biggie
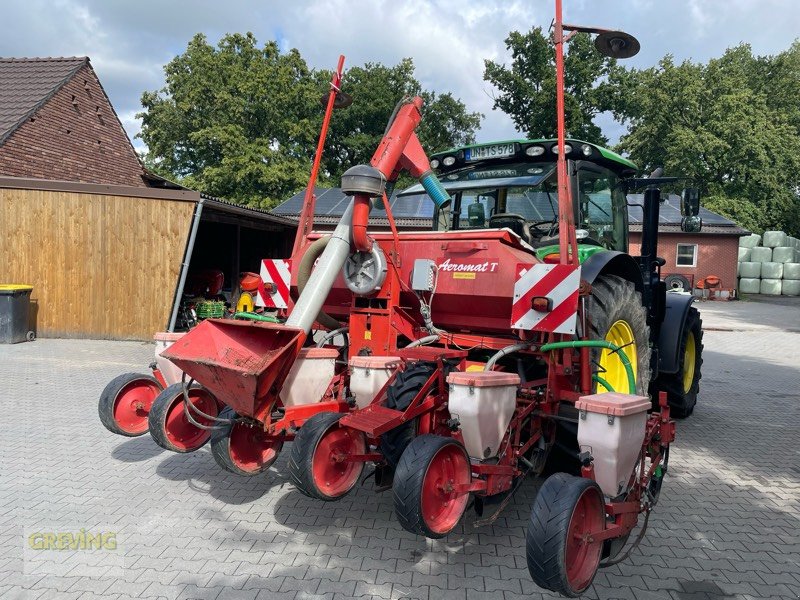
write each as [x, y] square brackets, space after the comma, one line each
[27, 83]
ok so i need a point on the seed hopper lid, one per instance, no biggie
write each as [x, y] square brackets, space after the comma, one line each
[614, 403]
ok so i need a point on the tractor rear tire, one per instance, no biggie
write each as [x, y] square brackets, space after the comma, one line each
[421, 505]
[125, 403]
[168, 424]
[565, 508]
[399, 395]
[682, 387]
[312, 468]
[243, 447]
[615, 306]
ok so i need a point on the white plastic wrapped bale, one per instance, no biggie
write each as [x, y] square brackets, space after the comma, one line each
[744, 254]
[783, 254]
[774, 239]
[771, 270]
[760, 254]
[790, 287]
[751, 270]
[749, 286]
[749, 241]
[791, 271]
[770, 287]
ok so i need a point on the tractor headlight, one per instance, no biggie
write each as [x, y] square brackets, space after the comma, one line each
[435, 163]
[586, 149]
[449, 161]
[534, 150]
[567, 148]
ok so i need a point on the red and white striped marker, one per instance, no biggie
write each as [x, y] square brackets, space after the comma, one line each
[559, 284]
[277, 272]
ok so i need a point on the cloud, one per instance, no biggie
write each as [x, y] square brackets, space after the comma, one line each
[129, 42]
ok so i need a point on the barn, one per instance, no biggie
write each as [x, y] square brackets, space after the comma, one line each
[106, 245]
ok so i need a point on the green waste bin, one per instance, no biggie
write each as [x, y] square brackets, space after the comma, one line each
[15, 304]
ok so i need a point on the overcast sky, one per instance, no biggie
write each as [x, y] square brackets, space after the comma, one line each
[129, 41]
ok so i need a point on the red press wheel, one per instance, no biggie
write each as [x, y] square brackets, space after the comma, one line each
[125, 403]
[560, 555]
[318, 466]
[244, 447]
[425, 498]
[169, 425]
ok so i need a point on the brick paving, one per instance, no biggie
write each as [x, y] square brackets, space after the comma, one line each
[727, 525]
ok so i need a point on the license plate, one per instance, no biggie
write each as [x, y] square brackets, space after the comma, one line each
[485, 152]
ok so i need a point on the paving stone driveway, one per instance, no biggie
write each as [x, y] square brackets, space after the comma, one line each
[727, 526]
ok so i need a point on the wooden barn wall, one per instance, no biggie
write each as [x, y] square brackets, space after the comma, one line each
[101, 266]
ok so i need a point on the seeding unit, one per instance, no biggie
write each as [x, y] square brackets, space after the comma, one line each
[548, 348]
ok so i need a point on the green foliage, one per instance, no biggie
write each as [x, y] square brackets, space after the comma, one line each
[730, 124]
[241, 122]
[527, 88]
[376, 89]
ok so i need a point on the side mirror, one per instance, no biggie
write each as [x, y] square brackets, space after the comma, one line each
[691, 224]
[690, 202]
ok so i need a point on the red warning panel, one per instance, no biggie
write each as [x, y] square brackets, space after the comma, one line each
[558, 284]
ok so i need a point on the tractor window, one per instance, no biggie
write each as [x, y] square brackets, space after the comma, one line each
[602, 209]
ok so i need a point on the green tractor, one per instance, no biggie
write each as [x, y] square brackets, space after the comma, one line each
[513, 185]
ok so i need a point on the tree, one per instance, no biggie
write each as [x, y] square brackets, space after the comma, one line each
[241, 122]
[527, 88]
[376, 89]
[718, 124]
[234, 121]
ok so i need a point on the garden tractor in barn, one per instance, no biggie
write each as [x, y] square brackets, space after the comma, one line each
[517, 338]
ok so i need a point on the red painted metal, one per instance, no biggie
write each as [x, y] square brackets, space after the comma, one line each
[444, 496]
[568, 242]
[333, 474]
[242, 363]
[399, 147]
[582, 554]
[132, 404]
[181, 432]
[250, 448]
[307, 214]
[159, 377]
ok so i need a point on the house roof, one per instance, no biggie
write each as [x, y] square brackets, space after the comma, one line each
[27, 83]
[417, 211]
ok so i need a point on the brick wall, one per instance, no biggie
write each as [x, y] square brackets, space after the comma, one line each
[75, 136]
[716, 255]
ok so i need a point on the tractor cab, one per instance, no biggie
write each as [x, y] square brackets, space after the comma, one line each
[513, 185]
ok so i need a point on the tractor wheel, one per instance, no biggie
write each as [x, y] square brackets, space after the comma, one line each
[318, 465]
[560, 556]
[424, 501]
[243, 447]
[125, 403]
[682, 387]
[399, 396]
[616, 314]
[170, 427]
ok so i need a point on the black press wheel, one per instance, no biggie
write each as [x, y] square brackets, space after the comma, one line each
[682, 387]
[318, 465]
[171, 428]
[560, 556]
[426, 499]
[125, 403]
[243, 447]
[399, 395]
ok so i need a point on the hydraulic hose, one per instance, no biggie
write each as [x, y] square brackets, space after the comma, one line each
[304, 272]
[598, 344]
[256, 317]
[428, 339]
[332, 334]
[504, 352]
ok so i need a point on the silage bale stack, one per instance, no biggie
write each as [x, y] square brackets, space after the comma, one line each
[769, 265]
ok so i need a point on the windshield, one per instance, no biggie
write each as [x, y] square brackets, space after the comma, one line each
[523, 197]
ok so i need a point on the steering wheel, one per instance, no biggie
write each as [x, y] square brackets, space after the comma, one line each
[537, 225]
